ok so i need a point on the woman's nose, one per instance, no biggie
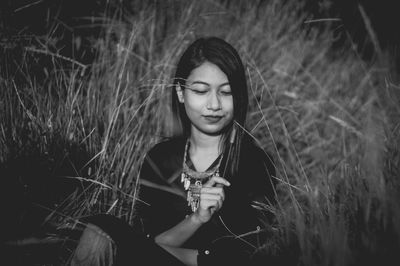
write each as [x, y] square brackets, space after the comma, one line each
[214, 102]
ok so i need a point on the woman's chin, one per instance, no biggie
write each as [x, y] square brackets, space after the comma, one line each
[213, 130]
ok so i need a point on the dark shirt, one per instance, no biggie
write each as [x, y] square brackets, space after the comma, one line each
[163, 202]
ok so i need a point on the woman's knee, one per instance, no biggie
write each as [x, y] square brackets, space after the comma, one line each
[95, 247]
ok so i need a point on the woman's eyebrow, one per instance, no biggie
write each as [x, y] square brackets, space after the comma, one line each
[224, 84]
[199, 82]
[207, 84]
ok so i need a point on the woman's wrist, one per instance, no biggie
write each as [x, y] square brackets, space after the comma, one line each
[195, 218]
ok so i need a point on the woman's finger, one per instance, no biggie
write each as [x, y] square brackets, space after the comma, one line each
[216, 180]
[208, 204]
[211, 200]
[206, 196]
[213, 190]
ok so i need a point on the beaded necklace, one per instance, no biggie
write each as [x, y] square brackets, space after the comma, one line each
[193, 180]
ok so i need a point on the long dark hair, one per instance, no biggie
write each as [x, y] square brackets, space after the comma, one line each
[225, 56]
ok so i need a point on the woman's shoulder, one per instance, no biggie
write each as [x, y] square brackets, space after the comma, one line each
[163, 160]
[256, 161]
[252, 151]
[167, 154]
[167, 146]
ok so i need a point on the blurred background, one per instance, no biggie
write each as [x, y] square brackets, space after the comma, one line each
[85, 89]
[70, 19]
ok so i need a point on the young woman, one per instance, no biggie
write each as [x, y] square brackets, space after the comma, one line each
[196, 188]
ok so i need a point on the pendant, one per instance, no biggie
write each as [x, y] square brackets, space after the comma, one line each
[183, 177]
[186, 184]
[194, 195]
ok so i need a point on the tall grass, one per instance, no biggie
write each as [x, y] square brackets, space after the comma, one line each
[323, 116]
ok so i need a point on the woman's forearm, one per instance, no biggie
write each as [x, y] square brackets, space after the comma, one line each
[177, 235]
[187, 256]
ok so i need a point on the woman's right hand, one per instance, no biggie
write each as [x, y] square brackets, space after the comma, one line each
[212, 197]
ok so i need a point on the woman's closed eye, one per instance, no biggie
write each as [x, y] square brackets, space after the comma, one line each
[201, 92]
[202, 89]
[226, 92]
[199, 88]
[197, 91]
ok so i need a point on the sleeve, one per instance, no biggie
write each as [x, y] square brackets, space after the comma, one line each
[257, 179]
[253, 183]
[263, 177]
[153, 211]
[262, 191]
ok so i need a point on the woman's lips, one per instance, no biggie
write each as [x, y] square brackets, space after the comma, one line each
[212, 118]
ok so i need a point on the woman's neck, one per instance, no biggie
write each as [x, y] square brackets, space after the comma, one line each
[204, 143]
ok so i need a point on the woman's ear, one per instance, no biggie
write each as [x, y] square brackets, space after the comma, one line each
[179, 93]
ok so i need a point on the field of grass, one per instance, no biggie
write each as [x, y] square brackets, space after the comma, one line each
[73, 134]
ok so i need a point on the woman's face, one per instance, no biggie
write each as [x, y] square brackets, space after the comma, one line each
[208, 99]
